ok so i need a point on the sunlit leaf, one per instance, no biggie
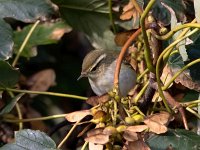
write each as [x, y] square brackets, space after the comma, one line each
[47, 33]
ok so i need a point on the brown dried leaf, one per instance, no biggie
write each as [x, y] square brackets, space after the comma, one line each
[121, 38]
[155, 126]
[185, 79]
[130, 136]
[166, 75]
[110, 130]
[77, 115]
[42, 80]
[93, 146]
[59, 32]
[127, 11]
[137, 128]
[163, 117]
[95, 100]
[98, 139]
[95, 131]
[138, 145]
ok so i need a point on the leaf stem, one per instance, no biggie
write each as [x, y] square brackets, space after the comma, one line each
[68, 134]
[147, 51]
[169, 48]
[142, 74]
[111, 16]
[84, 145]
[136, 99]
[179, 72]
[11, 120]
[46, 93]
[137, 7]
[173, 31]
[193, 112]
[18, 110]
[25, 42]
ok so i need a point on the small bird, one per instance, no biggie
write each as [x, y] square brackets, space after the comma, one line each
[99, 67]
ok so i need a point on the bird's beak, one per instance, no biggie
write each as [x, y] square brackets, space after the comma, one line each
[82, 75]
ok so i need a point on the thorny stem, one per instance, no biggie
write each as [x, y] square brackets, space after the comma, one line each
[68, 134]
[11, 120]
[147, 51]
[46, 93]
[169, 48]
[25, 42]
[121, 55]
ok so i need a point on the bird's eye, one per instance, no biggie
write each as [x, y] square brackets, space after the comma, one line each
[94, 68]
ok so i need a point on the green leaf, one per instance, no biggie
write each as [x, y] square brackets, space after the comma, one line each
[178, 139]
[90, 17]
[47, 33]
[25, 10]
[31, 140]
[11, 104]
[162, 14]
[6, 42]
[8, 76]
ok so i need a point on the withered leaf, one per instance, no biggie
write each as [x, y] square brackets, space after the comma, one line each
[163, 117]
[95, 100]
[129, 12]
[93, 146]
[185, 79]
[95, 131]
[121, 38]
[130, 136]
[42, 80]
[138, 145]
[155, 126]
[98, 139]
[137, 128]
[77, 115]
[110, 130]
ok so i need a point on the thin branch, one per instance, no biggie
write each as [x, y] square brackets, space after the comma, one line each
[147, 50]
[11, 120]
[25, 42]
[121, 55]
[46, 93]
